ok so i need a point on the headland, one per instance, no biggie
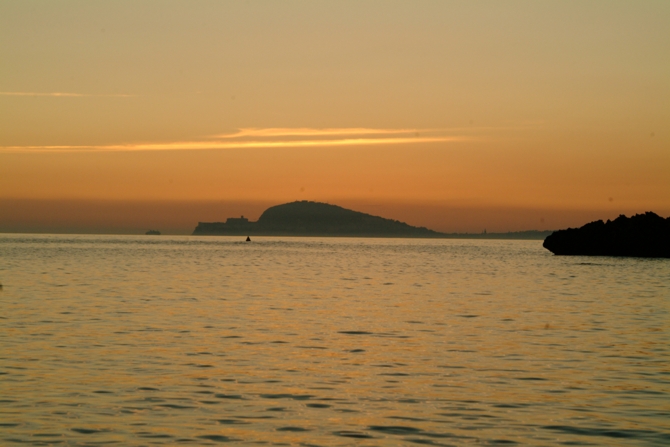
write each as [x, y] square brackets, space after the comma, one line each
[642, 235]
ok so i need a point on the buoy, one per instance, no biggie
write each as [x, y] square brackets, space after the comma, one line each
[248, 239]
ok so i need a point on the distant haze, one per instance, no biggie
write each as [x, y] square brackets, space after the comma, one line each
[457, 116]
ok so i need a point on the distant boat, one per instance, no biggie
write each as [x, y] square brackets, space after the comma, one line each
[153, 233]
[248, 239]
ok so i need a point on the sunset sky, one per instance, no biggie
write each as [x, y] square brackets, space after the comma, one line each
[460, 116]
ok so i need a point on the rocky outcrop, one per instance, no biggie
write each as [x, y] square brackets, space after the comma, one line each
[642, 235]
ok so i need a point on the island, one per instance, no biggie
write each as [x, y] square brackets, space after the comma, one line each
[306, 218]
[153, 233]
[642, 235]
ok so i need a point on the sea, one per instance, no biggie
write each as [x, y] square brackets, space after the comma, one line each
[182, 340]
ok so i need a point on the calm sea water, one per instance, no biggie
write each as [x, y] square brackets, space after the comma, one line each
[139, 341]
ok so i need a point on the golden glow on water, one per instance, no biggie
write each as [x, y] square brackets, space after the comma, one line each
[170, 340]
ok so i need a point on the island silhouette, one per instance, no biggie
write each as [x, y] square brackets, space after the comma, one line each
[642, 235]
[306, 218]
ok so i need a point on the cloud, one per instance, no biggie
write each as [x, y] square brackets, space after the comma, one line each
[268, 138]
[309, 132]
[62, 94]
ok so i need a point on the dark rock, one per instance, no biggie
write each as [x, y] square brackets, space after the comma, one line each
[153, 233]
[643, 235]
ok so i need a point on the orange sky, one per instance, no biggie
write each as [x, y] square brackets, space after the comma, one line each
[458, 116]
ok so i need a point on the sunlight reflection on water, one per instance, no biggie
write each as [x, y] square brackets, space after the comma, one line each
[317, 341]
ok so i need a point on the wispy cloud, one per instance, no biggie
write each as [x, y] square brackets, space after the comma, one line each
[268, 138]
[310, 132]
[63, 94]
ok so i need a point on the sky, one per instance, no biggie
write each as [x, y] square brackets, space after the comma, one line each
[118, 117]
